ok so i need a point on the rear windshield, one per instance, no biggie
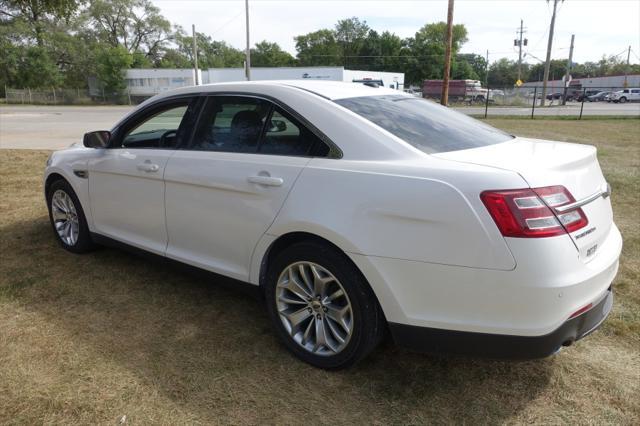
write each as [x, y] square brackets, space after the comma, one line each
[424, 124]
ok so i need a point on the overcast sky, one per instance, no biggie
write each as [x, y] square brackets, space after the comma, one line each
[601, 26]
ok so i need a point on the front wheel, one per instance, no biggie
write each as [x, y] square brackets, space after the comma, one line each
[321, 307]
[67, 218]
[623, 100]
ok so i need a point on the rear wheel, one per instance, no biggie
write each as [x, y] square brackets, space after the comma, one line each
[67, 218]
[321, 306]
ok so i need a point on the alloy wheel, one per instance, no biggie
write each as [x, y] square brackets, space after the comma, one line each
[314, 308]
[65, 217]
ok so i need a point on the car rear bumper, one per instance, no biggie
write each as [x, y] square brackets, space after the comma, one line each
[425, 339]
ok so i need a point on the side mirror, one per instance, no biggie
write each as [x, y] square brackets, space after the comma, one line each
[278, 126]
[98, 139]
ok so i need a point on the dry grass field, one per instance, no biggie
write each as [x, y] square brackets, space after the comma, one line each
[91, 339]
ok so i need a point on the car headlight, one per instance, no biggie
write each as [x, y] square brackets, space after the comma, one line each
[49, 159]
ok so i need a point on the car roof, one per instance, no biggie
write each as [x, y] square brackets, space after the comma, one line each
[327, 89]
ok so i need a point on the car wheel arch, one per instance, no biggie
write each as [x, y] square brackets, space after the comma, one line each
[290, 238]
[53, 177]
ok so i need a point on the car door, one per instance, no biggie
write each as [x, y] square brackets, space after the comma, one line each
[225, 190]
[126, 187]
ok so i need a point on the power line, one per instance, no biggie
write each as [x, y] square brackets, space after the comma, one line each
[220, 28]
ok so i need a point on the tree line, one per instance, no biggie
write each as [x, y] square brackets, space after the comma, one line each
[59, 43]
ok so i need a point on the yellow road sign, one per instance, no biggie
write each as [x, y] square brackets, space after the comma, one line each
[519, 83]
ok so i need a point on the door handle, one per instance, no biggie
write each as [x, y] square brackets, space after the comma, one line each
[266, 180]
[148, 167]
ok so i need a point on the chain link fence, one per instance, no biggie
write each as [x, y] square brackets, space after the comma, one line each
[78, 96]
[570, 102]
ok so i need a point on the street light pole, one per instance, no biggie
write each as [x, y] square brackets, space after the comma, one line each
[247, 62]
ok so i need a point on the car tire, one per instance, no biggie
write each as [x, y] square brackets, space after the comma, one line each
[622, 100]
[67, 218]
[321, 306]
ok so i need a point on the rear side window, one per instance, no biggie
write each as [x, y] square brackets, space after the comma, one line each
[231, 124]
[424, 124]
[252, 125]
[284, 135]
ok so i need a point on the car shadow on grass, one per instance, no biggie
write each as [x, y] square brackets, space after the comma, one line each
[209, 349]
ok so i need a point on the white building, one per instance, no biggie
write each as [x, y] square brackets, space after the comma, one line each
[151, 81]
[388, 79]
[614, 82]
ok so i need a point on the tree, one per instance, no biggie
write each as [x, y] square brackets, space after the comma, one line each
[557, 69]
[37, 70]
[37, 13]
[351, 34]
[380, 52]
[470, 66]
[427, 51]
[211, 53]
[503, 73]
[319, 48]
[267, 54]
[135, 25]
[111, 65]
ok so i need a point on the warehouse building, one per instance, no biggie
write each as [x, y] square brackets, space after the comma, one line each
[149, 82]
[614, 82]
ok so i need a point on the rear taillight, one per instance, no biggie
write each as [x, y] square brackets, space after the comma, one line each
[527, 213]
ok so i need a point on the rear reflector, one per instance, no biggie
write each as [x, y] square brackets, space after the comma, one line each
[581, 310]
[528, 213]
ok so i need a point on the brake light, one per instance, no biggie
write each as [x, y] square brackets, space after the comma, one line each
[528, 213]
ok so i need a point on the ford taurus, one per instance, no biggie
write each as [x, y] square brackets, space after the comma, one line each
[356, 211]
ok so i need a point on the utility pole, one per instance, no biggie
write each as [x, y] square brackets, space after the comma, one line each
[444, 99]
[247, 61]
[626, 69]
[195, 53]
[486, 74]
[568, 73]
[547, 64]
[518, 42]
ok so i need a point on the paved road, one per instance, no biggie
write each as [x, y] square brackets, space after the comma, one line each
[56, 127]
[53, 127]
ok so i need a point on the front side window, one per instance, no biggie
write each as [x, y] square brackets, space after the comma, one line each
[424, 124]
[158, 130]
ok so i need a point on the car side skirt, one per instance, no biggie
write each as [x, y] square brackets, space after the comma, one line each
[249, 289]
[499, 346]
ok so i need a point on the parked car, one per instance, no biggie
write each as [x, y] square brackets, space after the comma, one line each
[556, 95]
[600, 96]
[354, 210]
[626, 95]
[579, 94]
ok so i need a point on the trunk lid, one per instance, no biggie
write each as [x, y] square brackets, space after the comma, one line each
[546, 163]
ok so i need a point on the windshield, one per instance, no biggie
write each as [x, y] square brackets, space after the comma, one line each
[424, 124]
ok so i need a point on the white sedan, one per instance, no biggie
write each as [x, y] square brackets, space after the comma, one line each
[354, 210]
